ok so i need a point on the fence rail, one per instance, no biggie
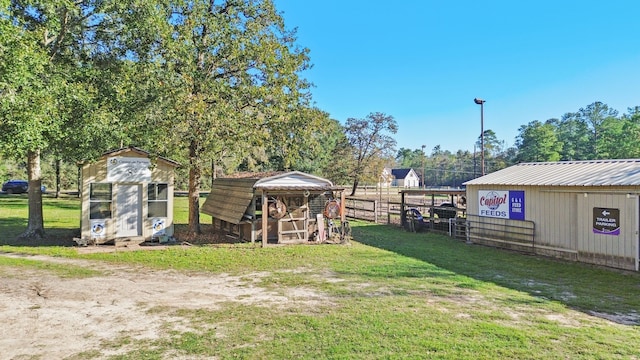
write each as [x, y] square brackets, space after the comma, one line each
[390, 212]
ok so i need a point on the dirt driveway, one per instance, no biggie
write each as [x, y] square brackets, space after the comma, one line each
[48, 317]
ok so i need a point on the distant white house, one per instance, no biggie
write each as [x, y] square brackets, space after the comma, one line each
[406, 178]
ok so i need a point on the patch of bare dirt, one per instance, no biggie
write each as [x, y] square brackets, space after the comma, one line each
[48, 317]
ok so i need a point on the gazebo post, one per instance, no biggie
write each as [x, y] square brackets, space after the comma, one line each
[265, 218]
[343, 207]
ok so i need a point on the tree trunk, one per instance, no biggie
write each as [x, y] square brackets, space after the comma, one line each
[58, 164]
[79, 180]
[195, 174]
[35, 225]
[356, 181]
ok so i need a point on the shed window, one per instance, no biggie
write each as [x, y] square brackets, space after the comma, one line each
[100, 201]
[157, 197]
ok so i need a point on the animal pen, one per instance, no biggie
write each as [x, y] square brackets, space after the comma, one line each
[436, 214]
[413, 209]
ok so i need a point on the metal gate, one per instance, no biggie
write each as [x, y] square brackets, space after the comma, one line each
[504, 233]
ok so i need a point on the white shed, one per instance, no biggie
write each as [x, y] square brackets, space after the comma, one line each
[127, 196]
[586, 211]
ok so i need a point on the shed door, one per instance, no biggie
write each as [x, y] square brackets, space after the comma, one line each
[128, 211]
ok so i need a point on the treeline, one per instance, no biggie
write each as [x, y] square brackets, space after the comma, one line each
[593, 132]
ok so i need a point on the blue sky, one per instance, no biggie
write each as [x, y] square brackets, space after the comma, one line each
[423, 62]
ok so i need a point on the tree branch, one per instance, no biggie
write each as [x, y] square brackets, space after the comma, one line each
[61, 35]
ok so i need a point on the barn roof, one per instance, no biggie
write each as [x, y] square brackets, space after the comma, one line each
[566, 173]
[400, 173]
[230, 198]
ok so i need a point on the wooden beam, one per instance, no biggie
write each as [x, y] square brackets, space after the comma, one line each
[265, 216]
[343, 207]
[403, 216]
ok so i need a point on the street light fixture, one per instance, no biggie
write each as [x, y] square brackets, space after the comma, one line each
[481, 103]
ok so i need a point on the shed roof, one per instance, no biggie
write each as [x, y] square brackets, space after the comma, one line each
[139, 151]
[229, 199]
[294, 180]
[625, 172]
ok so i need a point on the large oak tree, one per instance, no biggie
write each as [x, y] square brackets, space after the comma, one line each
[227, 72]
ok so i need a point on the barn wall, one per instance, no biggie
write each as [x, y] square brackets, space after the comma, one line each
[609, 250]
[554, 214]
[563, 222]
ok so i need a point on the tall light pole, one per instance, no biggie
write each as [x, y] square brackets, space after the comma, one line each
[481, 103]
[424, 185]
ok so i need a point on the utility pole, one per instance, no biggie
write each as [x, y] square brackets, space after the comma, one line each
[481, 103]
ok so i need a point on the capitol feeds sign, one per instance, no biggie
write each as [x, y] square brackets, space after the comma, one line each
[502, 204]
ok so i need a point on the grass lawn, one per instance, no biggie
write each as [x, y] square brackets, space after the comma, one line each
[390, 294]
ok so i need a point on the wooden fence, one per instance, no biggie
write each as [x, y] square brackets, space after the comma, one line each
[387, 212]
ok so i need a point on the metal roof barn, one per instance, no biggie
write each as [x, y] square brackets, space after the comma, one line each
[586, 211]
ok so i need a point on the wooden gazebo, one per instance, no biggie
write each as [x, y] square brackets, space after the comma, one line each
[281, 207]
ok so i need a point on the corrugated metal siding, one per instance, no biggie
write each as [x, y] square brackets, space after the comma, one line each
[610, 250]
[566, 173]
[563, 218]
[229, 199]
[554, 214]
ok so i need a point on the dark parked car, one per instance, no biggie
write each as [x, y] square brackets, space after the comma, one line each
[444, 213]
[18, 187]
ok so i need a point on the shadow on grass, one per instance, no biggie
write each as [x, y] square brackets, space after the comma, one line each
[210, 235]
[13, 201]
[12, 227]
[64, 204]
[53, 237]
[593, 290]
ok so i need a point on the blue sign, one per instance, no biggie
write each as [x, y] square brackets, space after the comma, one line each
[516, 205]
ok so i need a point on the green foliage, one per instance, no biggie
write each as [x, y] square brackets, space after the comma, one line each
[593, 132]
[51, 100]
[370, 145]
[225, 79]
[538, 142]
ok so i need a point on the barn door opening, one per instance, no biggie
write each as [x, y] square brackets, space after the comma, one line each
[128, 211]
